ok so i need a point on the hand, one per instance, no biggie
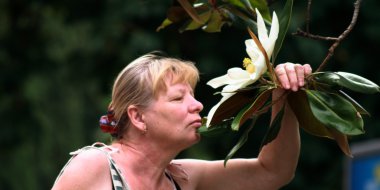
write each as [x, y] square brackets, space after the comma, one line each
[292, 76]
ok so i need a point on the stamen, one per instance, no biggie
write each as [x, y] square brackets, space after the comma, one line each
[248, 65]
[246, 62]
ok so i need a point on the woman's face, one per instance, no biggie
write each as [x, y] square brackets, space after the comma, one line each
[173, 117]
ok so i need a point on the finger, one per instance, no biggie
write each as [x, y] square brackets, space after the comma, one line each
[282, 76]
[292, 76]
[300, 71]
[307, 69]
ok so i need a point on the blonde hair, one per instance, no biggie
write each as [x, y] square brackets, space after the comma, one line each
[141, 81]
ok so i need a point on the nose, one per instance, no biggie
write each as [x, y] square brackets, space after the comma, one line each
[196, 106]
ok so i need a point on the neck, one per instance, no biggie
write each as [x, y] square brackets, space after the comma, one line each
[143, 158]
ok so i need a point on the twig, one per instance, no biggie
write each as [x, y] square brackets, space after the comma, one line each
[336, 40]
[342, 36]
[302, 33]
[308, 16]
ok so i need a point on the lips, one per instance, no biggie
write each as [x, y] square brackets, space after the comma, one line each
[196, 123]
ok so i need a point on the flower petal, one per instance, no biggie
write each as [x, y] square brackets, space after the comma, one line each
[232, 88]
[267, 42]
[237, 73]
[219, 81]
[261, 28]
[261, 66]
[234, 75]
[227, 92]
[252, 50]
[275, 28]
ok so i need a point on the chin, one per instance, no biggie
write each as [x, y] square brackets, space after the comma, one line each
[197, 138]
[194, 140]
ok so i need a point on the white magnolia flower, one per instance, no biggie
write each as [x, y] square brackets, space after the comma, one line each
[255, 66]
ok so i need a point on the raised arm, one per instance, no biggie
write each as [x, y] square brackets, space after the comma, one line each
[281, 155]
[277, 161]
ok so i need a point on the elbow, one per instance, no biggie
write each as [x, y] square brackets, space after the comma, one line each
[287, 178]
[281, 179]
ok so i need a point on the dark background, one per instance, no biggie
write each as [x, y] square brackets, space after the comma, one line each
[58, 60]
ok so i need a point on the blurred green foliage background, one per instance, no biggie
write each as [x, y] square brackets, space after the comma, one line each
[58, 60]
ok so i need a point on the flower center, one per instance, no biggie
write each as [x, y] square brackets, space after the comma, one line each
[249, 66]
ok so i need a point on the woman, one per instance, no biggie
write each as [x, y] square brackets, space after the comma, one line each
[154, 115]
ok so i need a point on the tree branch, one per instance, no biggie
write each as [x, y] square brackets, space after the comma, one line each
[336, 40]
[308, 16]
[342, 36]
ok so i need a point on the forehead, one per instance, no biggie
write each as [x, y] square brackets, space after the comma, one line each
[177, 87]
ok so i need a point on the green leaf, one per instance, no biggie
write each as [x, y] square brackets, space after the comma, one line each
[215, 22]
[250, 5]
[262, 6]
[347, 80]
[250, 109]
[357, 83]
[299, 103]
[335, 112]
[164, 24]
[240, 17]
[192, 25]
[284, 19]
[191, 11]
[300, 106]
[274, 128]
[358, 107]
[242, 140]
[216, 130]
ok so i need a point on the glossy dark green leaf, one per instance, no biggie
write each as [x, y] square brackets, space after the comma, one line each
[274, 128]
[357, 83]
[216, 130]
[262, 6]
[250, 109]
[299, 103]
[347, 80]
[358, 107]
[242, 140]
[336, 112]
[284, 20]
[300, 106]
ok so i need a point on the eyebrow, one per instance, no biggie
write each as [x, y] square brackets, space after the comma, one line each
[183, 90]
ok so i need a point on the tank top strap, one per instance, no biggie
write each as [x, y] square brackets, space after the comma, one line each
[118, 181]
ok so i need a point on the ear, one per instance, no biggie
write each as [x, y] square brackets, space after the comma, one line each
[136, 117]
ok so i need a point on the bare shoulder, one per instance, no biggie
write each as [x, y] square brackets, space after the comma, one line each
[85, 171]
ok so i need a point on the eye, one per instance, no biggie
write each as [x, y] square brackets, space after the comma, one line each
[177, 98]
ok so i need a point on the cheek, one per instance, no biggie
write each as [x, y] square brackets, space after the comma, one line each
[178, 115]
